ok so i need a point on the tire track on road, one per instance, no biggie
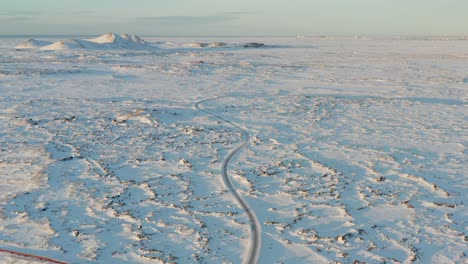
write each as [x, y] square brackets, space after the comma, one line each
[255, 229]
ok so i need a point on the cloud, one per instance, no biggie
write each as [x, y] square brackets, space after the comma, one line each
[37, 14]
[76, 13]
[13, 13]
[209, 19]
[186, 19]
[240, 13]
[16, 18]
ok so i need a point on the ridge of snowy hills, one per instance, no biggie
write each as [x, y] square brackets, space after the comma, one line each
[108, 41]
[112, 41]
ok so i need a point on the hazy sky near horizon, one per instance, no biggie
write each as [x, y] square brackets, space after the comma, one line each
[235, 17]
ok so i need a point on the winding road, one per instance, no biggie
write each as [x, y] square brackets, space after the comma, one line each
[255, 229]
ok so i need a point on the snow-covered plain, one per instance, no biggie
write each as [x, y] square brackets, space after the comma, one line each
[356, 149]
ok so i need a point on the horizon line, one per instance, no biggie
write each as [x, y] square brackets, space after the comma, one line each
[234, 36]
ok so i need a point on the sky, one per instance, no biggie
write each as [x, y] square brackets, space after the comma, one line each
[235, 17]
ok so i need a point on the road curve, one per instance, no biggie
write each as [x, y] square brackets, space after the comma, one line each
[255, 229]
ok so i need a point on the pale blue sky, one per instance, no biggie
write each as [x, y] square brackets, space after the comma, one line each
[235, 17]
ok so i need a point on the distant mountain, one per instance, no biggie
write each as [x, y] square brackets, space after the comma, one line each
[112, 41]
[109, 41]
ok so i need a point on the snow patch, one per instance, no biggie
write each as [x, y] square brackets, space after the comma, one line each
[389, 213]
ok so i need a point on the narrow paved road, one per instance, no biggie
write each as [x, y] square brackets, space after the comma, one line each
[255, 229]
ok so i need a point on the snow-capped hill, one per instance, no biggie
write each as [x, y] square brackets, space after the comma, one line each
[69, 44]
[205, 45]
[32, 44]
[196, 45]
[137, 39]
[126, 41]
[105, 39]
[133, 38]
[217, 44]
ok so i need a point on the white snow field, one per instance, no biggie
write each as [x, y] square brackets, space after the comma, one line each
[222, 150]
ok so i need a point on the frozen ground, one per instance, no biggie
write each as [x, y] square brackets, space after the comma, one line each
[356, 150]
